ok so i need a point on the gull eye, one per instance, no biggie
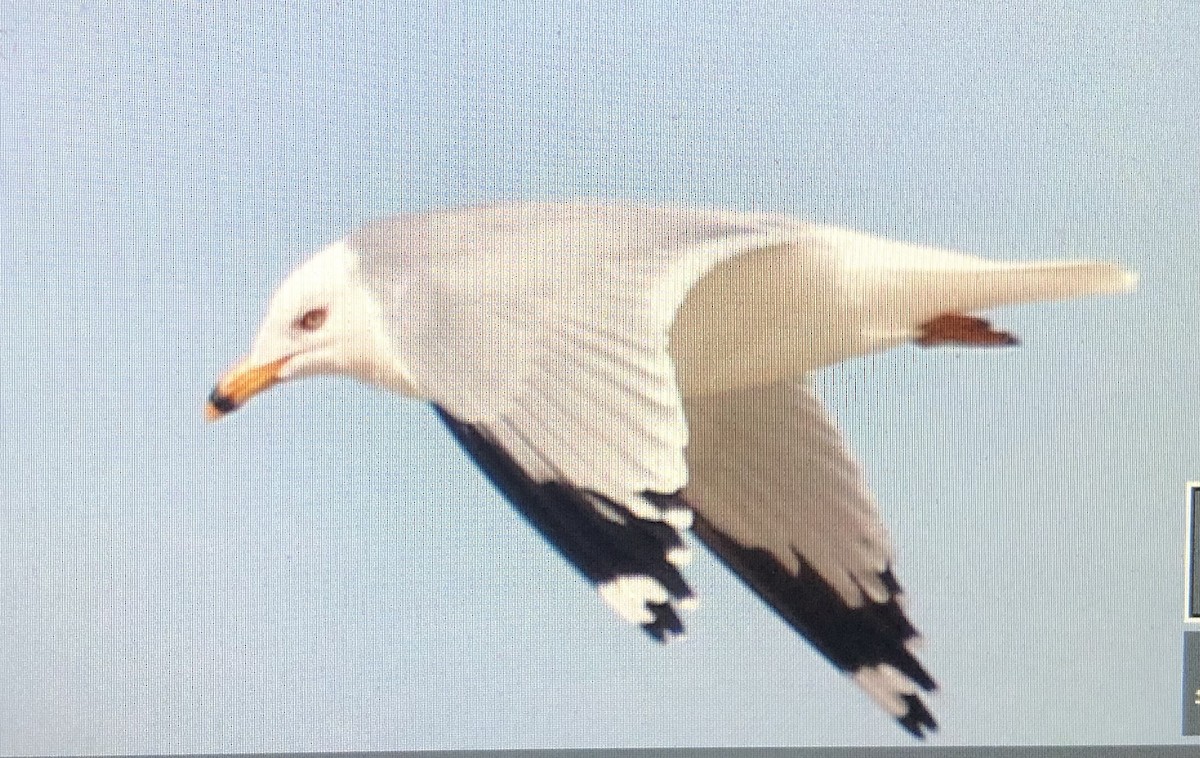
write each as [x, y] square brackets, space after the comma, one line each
[312, 320]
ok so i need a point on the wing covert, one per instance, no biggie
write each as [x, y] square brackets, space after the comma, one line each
[540, 332]
[547, 325]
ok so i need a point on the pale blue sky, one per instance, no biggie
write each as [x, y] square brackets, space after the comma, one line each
[326, 571]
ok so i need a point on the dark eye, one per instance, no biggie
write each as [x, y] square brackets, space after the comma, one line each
[312, 320]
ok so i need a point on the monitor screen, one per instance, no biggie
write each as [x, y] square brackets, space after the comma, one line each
[660, 375]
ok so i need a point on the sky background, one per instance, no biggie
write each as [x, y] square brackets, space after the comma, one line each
[325, 570]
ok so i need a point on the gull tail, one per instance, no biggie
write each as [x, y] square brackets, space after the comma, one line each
[963, 290]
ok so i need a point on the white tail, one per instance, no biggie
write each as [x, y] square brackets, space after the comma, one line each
[1011, 283]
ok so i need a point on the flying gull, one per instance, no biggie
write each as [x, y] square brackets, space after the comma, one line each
[624, 374]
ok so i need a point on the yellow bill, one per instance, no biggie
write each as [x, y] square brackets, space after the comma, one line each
[239, 384]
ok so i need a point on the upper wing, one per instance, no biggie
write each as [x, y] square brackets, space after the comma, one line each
[541, 333]
[780, 501]
[547, 325]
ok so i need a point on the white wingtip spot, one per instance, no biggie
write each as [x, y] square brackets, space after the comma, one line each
[680, 556]
[628, 596]
[679, 518]
[886, 685]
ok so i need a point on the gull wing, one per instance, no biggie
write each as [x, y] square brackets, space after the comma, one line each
[781, 502]
[540, 332]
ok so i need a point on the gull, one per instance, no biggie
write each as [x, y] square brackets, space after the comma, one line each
[625, 374]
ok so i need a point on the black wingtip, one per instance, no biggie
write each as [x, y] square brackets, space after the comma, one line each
[850, 637]
[918, 721]
[600, 537]
[666, 624]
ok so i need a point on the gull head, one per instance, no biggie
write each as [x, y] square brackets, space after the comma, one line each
[321, 320]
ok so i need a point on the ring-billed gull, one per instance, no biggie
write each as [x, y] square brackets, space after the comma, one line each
[623, 374]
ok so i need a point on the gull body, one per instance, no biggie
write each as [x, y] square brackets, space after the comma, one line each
[623, 373]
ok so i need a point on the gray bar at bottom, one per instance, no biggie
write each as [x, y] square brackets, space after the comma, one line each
[1191, 684]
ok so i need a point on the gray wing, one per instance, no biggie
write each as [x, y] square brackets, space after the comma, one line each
[541, 333]
[779, 499]
[547, 324]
